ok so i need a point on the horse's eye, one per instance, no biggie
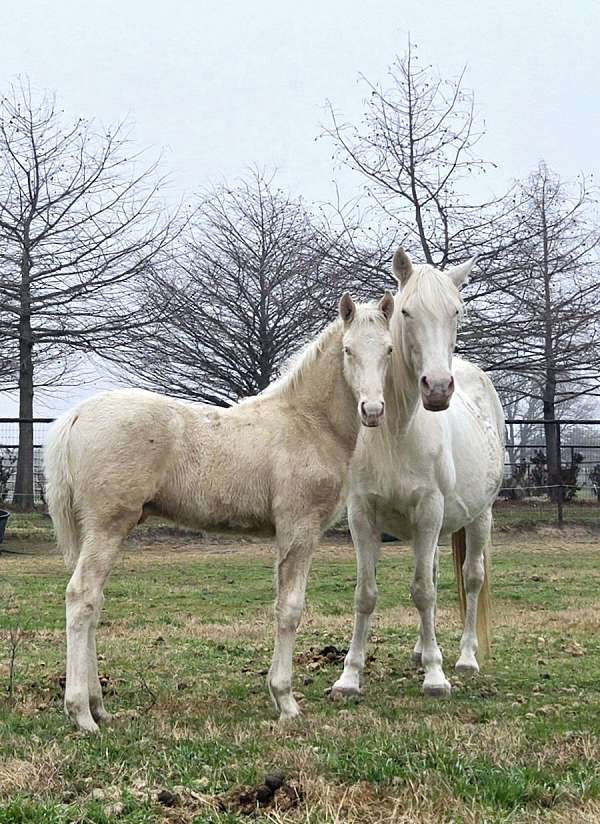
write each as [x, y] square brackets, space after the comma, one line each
[347, 351]
[405, 313]
[390, 350]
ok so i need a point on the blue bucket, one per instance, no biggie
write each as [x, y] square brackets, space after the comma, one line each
[4, 516]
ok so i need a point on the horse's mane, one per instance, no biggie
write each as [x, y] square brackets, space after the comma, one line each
[432, 290]
[302, 361]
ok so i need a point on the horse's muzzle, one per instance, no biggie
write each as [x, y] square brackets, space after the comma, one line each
[436, 392]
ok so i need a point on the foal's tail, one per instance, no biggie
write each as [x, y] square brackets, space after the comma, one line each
[60, 488]
[484, 610]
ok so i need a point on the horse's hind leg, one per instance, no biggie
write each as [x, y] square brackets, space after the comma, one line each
[367, 541]
[296, 545]
[478, 537]
[83, 694]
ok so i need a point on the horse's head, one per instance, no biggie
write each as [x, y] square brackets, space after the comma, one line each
[367, 346]
[431, 307]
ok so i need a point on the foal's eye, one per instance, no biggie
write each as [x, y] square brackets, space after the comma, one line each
[347, 351]
[405, 313]
[390, 350]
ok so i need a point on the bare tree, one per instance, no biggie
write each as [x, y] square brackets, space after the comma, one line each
[416, 151]
[80, 219]
[245, 291]
[546, 312]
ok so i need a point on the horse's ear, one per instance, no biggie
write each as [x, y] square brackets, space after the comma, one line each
[402, 267]
[459, 275]
[347, 308]
[386, 305]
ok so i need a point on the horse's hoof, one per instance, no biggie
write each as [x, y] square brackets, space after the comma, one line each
[340, 692]
[437, 690]
[468, 670]
[416, 659]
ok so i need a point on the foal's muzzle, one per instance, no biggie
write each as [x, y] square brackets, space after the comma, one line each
[371, 412]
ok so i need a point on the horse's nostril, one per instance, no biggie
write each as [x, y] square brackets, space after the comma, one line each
[363, 408]
[425, 382]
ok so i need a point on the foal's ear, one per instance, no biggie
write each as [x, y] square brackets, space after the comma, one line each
[347, 308]
[459, 275]
[402, 267]
[386, 305]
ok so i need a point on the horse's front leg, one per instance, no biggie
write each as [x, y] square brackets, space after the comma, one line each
[417, 652]
[478, 535]
[367, 542]
[296, 545]
[428, 522]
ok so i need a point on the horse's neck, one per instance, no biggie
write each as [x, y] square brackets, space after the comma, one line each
[324, 393]
[402, 391]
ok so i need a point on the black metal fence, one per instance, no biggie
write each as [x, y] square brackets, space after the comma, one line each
[530, 491]
[9, 448]
[570, 490]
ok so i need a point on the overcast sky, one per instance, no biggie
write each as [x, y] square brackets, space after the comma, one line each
[222, 85]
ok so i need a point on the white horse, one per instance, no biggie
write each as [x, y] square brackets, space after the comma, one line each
[278, 462]
[427, 471]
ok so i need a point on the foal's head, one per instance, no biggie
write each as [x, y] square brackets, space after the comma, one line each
[367, 346]
[431, 308]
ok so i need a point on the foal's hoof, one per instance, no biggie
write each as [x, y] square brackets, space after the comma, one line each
[103, 717]
[340, 691]
[416, 659]
[87, 725]
[289, 715]
[467, 669]
[437, 690]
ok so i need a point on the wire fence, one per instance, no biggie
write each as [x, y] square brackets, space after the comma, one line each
[9, 451]
[531, 491]
[532, 486]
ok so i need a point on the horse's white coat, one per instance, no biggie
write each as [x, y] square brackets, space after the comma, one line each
[426, 473]
[277, 462]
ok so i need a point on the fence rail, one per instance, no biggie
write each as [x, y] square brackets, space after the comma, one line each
[529, 485]
[9, 449]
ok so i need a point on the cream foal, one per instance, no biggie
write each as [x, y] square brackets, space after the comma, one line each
[434, 467]
[278, 462]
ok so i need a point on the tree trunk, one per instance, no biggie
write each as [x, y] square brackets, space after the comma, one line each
[551, 429]
[24, 495]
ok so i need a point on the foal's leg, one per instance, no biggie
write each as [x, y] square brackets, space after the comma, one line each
[367, 540]
[94, 686]
[296, 545]
[478, 535]
[83, 695]
[428, 523]
[417, 652]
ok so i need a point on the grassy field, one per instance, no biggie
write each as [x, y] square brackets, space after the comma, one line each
[185, 644]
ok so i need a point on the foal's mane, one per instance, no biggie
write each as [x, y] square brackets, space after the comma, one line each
[302, 361]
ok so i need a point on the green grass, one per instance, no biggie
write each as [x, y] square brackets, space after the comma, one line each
[184, 645]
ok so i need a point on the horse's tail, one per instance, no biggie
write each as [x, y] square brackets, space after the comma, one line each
[484, 610]
[60, 488]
